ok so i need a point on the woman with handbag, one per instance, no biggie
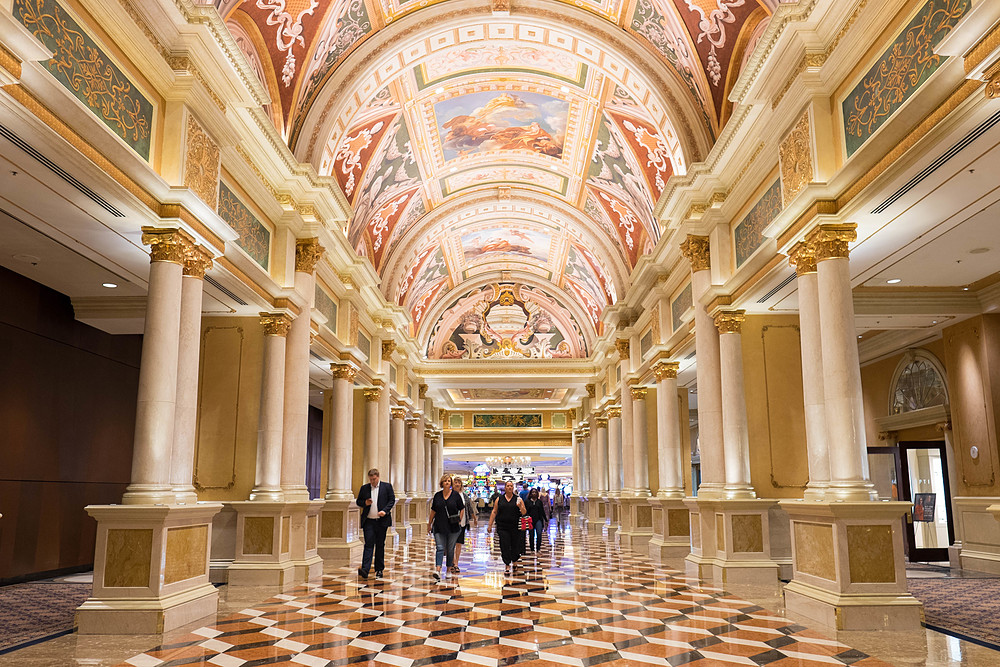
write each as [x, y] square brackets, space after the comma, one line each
[445, 522]
[469, 520]
[536, 510]
[506, 516]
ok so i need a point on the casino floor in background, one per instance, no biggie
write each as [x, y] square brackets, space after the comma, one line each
[582, 601]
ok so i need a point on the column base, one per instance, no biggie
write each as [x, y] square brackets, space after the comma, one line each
[263, 545]
[339, 541]
[223, 544]
[597, 514]
[614, 511]
[306, 561]
[637, 523]
[150, 569]
[419, 511]
[849, 567]
[671, 539]
[735, 541]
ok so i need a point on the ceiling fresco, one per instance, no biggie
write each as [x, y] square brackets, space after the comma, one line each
[499, 148]
[488, 395]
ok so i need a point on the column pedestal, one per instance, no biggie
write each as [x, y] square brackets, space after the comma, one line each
[614, 511]
[597, 514]
[339, 541]
[637, 524]
[671, 538]
[401, 519]
[305, 539]
[223, 551]
[849, 571]
[150, 569]
[578, 510]
[420, 509]
[263, 545]
[735, 541]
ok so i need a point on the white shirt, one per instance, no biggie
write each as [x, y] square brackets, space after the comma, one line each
[373, 508]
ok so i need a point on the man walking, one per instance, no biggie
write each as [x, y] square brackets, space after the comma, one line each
[376, 500]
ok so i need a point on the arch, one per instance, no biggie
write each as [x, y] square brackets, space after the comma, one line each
[918, 382]
[251, 43]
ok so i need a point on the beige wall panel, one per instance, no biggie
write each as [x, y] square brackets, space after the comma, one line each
[228, 407]
[870, 554]
[186, 550]
[258, 535]
[748, 533]
[972, 408]
[775, 415]
[678, 522]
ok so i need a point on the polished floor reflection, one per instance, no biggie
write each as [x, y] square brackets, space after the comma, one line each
[581, 601]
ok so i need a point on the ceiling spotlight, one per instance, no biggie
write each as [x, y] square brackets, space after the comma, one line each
[861, 336]
[965, 289]
[109, 285]
[893, 281]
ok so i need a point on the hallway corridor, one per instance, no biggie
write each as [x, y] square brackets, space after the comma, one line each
[581, 602]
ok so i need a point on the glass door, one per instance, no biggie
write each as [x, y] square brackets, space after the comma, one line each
[924, 476]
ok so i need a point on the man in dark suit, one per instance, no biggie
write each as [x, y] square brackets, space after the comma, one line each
[376, 500]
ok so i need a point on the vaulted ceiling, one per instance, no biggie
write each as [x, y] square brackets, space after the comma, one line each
[502, 163]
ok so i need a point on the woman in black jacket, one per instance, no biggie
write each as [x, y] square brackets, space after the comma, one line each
[536, 511]
[445, 521]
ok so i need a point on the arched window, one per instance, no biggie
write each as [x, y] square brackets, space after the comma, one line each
[918, 383]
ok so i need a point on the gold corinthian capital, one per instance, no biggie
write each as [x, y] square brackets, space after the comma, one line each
[697, 251]
[308, 252]
[833, 241]
[666, 370]
[275, 324]
[730, 321]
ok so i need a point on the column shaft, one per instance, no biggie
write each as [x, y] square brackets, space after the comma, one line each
[713, 463]
[640, 442]
[382, 455]
[736, 439]
[267, 485]
[156, 399]
[615, 476]
[628, 428]
[669, 460]
[341, 434]
[188, 358]
[295, 428]
[413, 457]
[397, 452]
[372, 399]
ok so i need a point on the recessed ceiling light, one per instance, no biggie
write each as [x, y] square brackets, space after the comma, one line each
[893, 281]
[109, 285]
[978, 251]
[860, 336]
[933, 321]
[965, 289]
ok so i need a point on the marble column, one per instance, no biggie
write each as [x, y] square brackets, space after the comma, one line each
[845, 418]
[295, 426]
[413, 462]
[671, 520]
[670, 455]
[157, 395]
[341, 457]
[196, 263]
[736, 438]
[382, 459]
[373, 396]
[615, 478]
[713, 470]
[803, 258]
[136, 588]
[267, 482]
[640, 442]
[437, 462]
[428, 463]
[628, 424]
[397, 451]
[601, 455]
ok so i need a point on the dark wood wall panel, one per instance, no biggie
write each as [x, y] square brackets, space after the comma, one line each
[67, 409]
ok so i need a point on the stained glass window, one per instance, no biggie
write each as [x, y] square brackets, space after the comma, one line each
[919, 385]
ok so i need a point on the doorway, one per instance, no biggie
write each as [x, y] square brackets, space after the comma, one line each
[917, 472]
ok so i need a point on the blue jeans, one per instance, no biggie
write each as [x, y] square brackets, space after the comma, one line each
[445, 543]
[535, 536]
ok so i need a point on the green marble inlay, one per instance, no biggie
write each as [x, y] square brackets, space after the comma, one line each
[80, 65]
[903, 67]
[255, 238]
[328, 307]
[749, 233]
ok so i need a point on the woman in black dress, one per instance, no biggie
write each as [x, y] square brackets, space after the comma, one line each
[507, 512]
[445, 521]
[536, 510]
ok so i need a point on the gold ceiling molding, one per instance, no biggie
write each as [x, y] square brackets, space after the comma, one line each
[987, 45]
[993, 87]
[260, 176]
[182, 65]
[10, 62]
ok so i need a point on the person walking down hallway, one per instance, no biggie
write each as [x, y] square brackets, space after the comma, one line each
[445, 521]
[559, 506]
[376, 500]
[470, 520]
[536, 510]
[507, 512]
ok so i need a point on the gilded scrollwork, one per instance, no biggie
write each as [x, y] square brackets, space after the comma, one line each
[748, 235]
[255, 238]
[796, 160]
[83, 68]
[903, 67]
[201, 163]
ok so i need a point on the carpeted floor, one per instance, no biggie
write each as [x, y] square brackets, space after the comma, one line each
[37, 610]
[964, 606]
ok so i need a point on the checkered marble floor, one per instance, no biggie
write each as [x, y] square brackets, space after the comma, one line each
[582, 601]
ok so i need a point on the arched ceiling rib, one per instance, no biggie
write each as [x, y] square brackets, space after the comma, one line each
[474, 146]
